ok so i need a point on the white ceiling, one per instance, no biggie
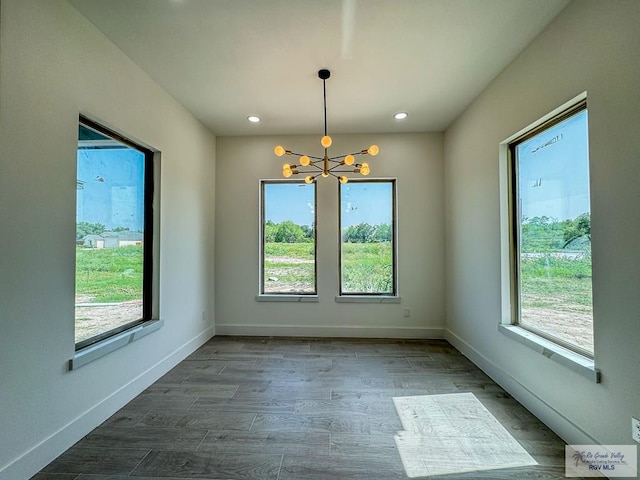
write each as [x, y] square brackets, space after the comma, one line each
[227, 59]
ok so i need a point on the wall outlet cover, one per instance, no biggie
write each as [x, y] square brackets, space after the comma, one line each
[635, 429]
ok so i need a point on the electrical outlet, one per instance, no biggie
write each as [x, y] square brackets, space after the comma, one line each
[406, 313]
[635, 429]
[204, 316]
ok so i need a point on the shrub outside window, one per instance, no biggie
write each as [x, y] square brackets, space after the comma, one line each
[114, 215]
[551, 231]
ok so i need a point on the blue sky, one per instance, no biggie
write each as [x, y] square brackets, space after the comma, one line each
[113, 192]
[553, 169]
[360, 202]
[369, 202]
[289, 201]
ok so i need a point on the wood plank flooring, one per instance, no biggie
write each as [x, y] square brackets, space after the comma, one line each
[293, 408]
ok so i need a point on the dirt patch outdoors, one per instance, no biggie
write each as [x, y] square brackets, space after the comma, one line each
[95, 318]
[572, 327]
[288, 260]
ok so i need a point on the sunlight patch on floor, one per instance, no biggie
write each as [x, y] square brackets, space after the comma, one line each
[453, 433]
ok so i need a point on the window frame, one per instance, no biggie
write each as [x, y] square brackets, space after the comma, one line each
[394, 247]
[262, 295]
[148, 236]
[515, 214]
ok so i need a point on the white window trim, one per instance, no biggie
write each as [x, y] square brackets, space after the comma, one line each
[281, 297]
[581, 364]
[103, 347]
[110, 344]
[367, 299]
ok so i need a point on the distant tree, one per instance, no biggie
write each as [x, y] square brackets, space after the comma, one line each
[307, 231]
[120, 229]
[577, 228]
[85, 228]
[382, 233]
[288, 232]
[541, 234]
[270, 231]
[360, 233]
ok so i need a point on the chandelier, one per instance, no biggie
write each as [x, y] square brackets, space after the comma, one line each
[313, 167]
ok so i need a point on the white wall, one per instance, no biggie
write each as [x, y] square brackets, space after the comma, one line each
[55, 64]
[591, 46]
[416, 161]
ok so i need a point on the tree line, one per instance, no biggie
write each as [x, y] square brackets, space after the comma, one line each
[289, 232]
[544, 234]
[86, 228]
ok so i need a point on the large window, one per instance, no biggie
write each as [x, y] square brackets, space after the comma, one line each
[114, 232]
[288, 238]
[368, 240]
[551, 231]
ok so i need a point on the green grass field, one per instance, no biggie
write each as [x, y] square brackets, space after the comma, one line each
[289, 268]
[560, 283]
[109, 274]
[115, 274]
[367, 267]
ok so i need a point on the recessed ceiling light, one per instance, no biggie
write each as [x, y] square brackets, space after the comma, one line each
[253, 119]
[401, 115]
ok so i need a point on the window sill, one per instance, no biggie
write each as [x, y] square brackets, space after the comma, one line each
[108, 345]
[367, 299]
[572, 360]
[288, 298]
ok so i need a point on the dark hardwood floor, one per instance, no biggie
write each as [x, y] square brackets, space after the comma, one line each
[294, 408]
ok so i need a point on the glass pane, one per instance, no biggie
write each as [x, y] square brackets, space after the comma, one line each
[109, 234]
[289, 250]
[555, 232]
[366, 225]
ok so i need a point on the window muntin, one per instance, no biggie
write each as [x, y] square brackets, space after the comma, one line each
[288, 238]
[551, 252]
[114, 215]
[367, 222]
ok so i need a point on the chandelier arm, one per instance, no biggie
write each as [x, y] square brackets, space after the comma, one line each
[302, 155]
[338, 165]
[354, 154]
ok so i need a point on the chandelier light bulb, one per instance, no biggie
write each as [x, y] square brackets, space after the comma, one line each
[343, 179]
[304, 160]
[326, 141]
[279, 151]
[349, 159]
[373, 150]
[308, 179]
[325, 174]
[364, 169]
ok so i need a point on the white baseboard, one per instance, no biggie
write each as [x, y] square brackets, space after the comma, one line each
[39, 456]
[330, 331]
[561, 425]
